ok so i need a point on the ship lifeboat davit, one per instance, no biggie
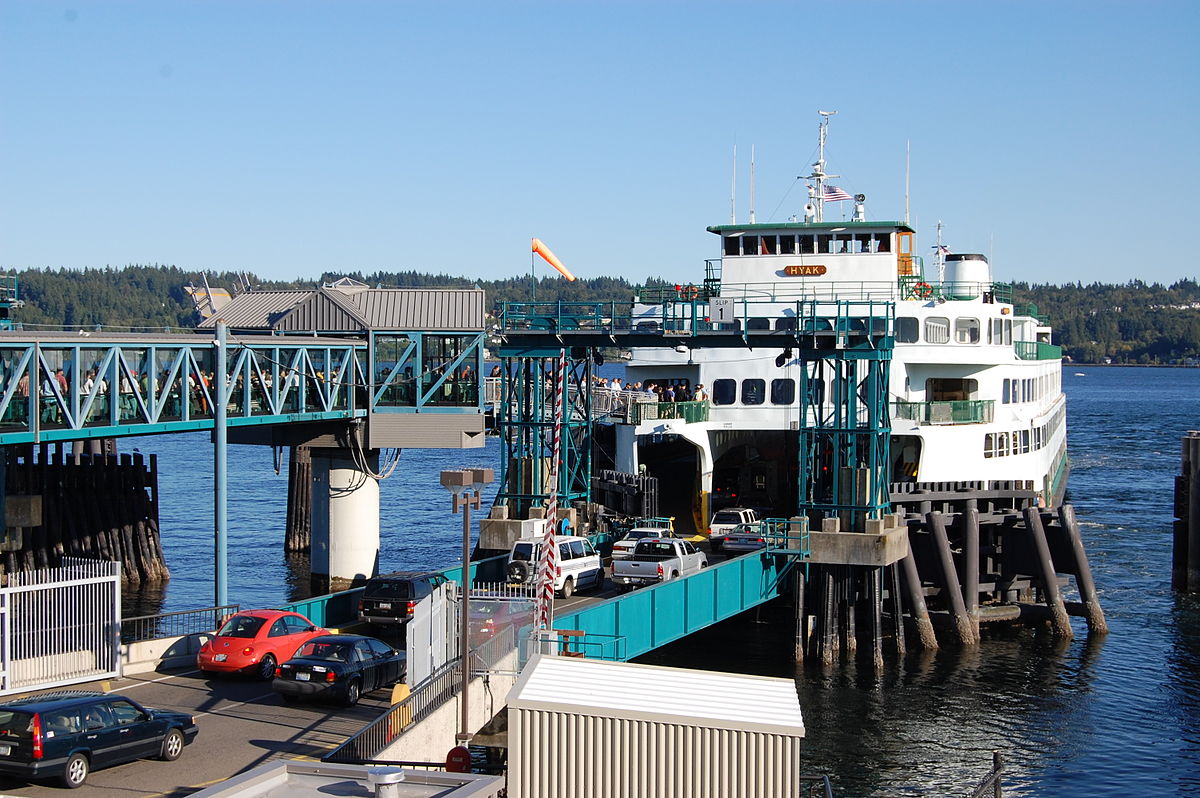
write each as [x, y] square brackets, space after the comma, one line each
[551, 258]
[968, 276]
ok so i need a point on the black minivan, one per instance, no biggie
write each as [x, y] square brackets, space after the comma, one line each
[66, 735]
[391, 598]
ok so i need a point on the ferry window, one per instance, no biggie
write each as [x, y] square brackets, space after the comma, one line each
[758, 323]
[733, 245]
[824, 244]
[883, 242]
[753, 392]
[842, 244]
[1002, 444]
[908, 330]
[862, 242]
[786, 323]
[769, 245]
[1007, 332]
[787, 245]
[937, 330]
[724, 392]
[807, 245]
[783, 392]
[749, 245]
[966, 331]
[1004, 396]
[989, 445]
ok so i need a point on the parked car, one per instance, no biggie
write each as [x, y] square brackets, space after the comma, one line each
[724, 522]
[392, 598]
[657, 560]
[579, 564]
[255, 641]
[745, 538]
[66, 735]
[624, 547]
[339, 667]
[492, 616]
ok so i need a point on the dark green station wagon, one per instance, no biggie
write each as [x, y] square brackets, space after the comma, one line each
[66, 735]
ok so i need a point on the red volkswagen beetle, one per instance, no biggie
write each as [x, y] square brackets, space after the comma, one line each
[255, 641]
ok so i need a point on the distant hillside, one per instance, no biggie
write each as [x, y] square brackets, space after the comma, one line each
[1131, 323]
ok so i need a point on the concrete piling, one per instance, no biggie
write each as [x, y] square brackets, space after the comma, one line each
[1059, 621]
[963, 627]
[1083, 572]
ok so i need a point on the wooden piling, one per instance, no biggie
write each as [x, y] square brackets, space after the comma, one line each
[798, 593]
[897, 608]
[916, 602]
[1083, 572]
[298, 534]
[1059, 621]
[1185, 559]
[963, 627]
[874, 578]
[827, 638]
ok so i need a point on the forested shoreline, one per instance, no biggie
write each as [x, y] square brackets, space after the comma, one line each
[1135, 322]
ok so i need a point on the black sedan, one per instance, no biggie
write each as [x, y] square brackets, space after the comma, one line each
[339, 667]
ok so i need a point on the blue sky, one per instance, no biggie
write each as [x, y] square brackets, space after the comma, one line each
[292, 138]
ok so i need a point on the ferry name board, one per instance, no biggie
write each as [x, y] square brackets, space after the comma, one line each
[806, 270]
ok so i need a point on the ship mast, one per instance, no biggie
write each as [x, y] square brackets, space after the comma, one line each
[816, 190]
[941, 256]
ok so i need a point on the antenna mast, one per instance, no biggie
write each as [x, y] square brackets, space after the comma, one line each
[751, 184]
[941, 254]
[907, 161]
[816, 191]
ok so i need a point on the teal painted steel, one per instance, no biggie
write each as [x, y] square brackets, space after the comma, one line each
[119, 385]
[651, 617]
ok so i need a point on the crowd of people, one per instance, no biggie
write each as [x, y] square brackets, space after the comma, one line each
[662, 391]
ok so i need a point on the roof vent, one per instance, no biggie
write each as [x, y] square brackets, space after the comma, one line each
[385, 781]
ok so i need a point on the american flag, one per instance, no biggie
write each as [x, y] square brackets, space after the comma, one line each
[548, 563]
[835, 194]
[942, 249]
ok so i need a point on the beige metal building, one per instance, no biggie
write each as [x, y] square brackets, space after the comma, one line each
[584, 728]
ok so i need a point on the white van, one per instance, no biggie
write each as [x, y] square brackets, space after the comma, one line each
[579, 564]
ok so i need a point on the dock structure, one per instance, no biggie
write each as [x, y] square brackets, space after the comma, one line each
[342, 373]
[898, 563]
[1185, 570]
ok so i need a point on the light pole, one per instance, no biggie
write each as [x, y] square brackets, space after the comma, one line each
[464, 485]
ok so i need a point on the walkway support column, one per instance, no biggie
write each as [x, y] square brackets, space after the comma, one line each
[345, 519]
[220, 458]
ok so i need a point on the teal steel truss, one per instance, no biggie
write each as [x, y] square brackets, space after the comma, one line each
[60, 389]
[525, 419]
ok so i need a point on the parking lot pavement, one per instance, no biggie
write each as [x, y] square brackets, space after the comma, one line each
[242, 724]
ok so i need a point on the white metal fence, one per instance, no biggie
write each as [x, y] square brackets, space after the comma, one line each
[60, 626]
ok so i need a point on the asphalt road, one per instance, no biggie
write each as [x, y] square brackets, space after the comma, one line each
[242, 724]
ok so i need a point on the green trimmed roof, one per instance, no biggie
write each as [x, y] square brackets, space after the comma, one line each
[722, 229]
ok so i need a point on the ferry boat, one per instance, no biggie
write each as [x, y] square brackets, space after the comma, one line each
[975, 397]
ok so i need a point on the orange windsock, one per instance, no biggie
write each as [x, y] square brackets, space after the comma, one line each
[550, 258]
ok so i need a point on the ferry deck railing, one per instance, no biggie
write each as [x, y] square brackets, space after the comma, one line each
[1037, 350]
[969, 411]
[749, 312]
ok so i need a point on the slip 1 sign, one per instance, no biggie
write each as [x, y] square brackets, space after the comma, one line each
[720, 310]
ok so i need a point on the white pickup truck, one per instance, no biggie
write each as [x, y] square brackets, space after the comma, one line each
[657, 560]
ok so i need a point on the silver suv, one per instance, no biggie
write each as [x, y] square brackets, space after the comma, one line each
[725, 521]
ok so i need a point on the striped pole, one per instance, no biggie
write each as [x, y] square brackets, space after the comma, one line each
[548, 564]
